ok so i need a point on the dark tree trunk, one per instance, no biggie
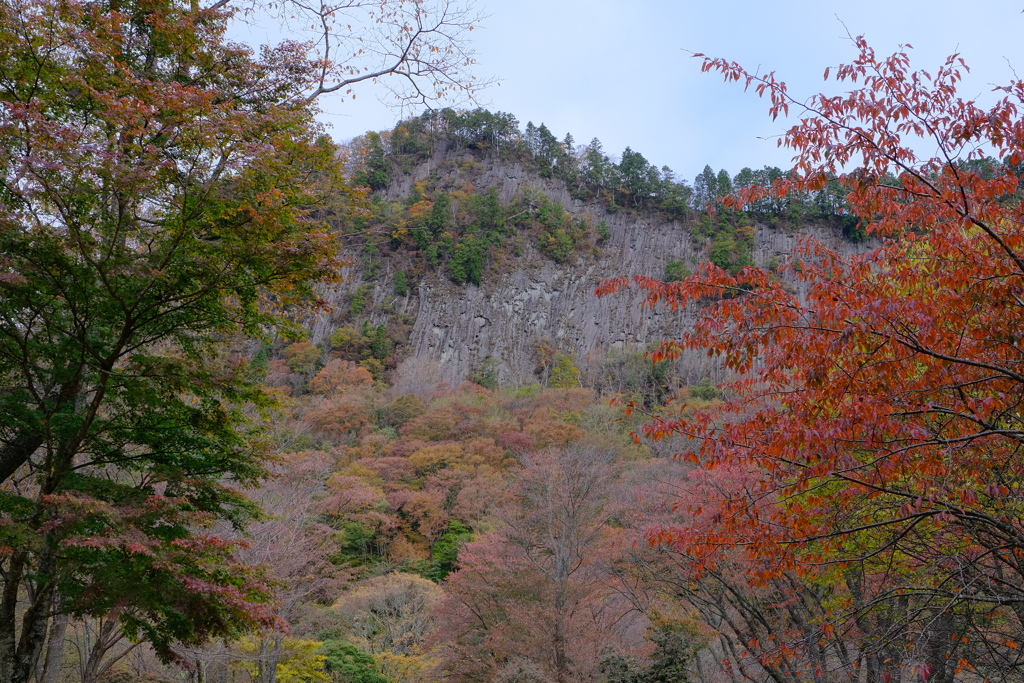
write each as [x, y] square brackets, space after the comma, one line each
[16, 452]
[33, 634]
[937, 664]
[20, 650]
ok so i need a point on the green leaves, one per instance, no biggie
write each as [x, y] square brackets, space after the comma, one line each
[156, 190]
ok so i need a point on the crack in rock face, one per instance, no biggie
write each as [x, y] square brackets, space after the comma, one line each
[538, 299]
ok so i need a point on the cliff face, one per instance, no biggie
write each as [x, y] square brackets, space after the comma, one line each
[535, 298]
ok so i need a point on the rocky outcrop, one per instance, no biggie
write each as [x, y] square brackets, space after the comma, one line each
[461, 325]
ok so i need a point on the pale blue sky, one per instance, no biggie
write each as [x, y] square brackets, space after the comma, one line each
[621, 71]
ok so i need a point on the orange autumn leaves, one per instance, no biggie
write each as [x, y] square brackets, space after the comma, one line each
[878, 418]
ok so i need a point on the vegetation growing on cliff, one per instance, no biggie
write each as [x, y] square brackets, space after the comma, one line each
[454, 220]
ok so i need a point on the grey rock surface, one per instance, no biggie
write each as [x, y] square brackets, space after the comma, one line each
[461, 325]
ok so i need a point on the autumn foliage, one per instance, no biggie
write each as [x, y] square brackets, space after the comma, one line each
[876, 419]
[847, 506]
[162, 195]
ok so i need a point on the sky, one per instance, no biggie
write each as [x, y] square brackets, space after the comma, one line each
[623, 71]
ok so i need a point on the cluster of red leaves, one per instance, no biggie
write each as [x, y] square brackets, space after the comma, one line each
[881, 412]
[150, 563]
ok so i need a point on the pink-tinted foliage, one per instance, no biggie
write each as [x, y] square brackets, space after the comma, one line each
[539, 587]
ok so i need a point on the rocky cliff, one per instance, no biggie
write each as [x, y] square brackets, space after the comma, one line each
[531, 297]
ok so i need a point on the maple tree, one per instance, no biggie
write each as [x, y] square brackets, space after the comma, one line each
[157, 185]
[881, 412]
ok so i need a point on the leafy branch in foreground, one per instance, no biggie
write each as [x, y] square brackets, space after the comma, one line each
[880, 417]
[158, 189]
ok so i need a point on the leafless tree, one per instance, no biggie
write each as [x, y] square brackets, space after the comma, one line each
[418, 50]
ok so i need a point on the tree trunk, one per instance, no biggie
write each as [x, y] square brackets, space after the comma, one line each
[19, 654]
[561, 664]
[106, 638]
[8, 618]
[270, 654]
[33, 635]
[16, 453]
[55, 649]
[937, 667]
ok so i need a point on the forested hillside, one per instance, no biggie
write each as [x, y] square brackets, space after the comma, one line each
[461, 401]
